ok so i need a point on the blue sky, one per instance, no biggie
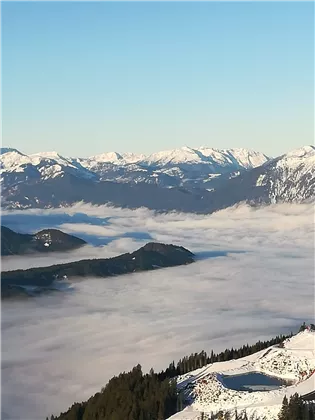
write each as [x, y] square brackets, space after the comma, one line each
[84, 78]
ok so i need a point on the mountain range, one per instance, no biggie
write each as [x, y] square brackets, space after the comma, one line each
[199, 180]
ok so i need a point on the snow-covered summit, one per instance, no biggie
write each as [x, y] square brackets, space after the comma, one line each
[174, 156]
[116, 158]
[306, 151]
[234, 158]
[112, 157]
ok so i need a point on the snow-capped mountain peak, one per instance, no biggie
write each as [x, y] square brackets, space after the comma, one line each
[12, 158]
[46, 155]
[174, 156]
[109, 157]
[304, 156]
[306, 151]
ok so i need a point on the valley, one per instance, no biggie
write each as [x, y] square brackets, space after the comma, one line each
[80, 337]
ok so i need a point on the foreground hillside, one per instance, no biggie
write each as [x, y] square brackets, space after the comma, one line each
[202, 180]
[149, 257]
[47, 240]
[134, 395]
[294, 361]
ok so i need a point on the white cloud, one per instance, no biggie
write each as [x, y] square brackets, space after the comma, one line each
[74, 342]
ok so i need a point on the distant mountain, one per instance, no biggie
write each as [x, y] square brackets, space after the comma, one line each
[47, 240]
[199, 180]
[185, 167]
[170, 168]
[290, 177]
[287, 178]
[149, 257]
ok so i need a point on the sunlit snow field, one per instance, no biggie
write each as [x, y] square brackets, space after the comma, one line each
[254, 279]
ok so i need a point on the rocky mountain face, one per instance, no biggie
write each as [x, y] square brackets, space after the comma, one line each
[199, 180]
[47, 240]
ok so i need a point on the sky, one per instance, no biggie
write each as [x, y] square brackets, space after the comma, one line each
[75, 340]
[83, 78]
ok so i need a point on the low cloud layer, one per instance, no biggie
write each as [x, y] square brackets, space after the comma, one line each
[74, 342]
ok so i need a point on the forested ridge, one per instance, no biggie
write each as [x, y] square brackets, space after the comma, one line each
[149, 257]
[47, 240]
[153, 396]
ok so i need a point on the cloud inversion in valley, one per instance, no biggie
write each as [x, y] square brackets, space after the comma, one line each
[73, 342]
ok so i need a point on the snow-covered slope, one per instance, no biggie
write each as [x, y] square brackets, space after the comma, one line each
[39, 165]
[206, 390]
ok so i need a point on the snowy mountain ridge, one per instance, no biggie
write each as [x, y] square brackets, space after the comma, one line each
[200, 180]
[240, 158]
[206, 390]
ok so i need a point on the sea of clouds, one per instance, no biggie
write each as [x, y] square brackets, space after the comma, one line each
[253, 279]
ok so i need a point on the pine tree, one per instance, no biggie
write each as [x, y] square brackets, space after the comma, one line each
[284, 413]
[179, 401]
[295, 408]
[161, 411]
[302, 327]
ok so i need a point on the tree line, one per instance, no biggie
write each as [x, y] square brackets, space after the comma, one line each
[198, 360]
[153, 396]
